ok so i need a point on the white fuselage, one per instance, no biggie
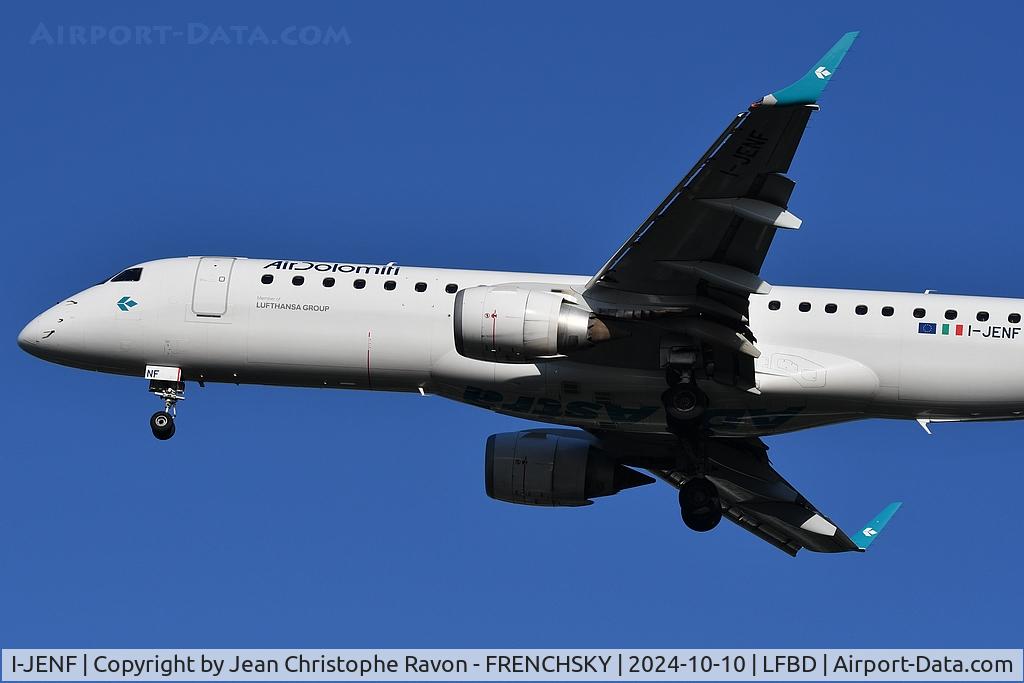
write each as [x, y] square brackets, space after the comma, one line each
[218, 321]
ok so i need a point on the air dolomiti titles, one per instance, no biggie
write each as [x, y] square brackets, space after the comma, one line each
[389, 268]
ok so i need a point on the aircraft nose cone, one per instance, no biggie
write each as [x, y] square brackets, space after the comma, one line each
[30, 337]
[50, 334]
[56, 334]
[23, 337]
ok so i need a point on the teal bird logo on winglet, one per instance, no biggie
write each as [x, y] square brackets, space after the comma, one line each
[871, 531]
[808, 89]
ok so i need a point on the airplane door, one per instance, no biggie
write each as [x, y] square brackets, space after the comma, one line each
[210, 296]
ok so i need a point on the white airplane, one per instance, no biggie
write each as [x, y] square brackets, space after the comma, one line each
[675, 357]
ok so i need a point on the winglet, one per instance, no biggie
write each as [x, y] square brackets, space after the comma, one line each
[809, 88]
[865, 536]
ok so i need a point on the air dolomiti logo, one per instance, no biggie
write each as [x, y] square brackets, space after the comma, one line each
[389, 268]
[960, 330]
[126, 302]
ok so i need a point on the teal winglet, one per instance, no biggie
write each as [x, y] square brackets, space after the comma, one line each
[865, 536]
[809, 88]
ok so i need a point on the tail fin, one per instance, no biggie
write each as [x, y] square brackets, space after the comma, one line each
[865, 536]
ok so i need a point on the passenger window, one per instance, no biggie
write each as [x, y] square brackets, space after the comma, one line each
[359, 284]
[951, 314]
[130, 275]
[804, 306]
[919, 313]
[982, 316]
[887, 311]
[421, 286]
[861, 310]
[831, 308]
[298, 280]
[267, 279]
[328, 282]
[774, 305]
[1014, 318]
[390, 284]
[451, 288]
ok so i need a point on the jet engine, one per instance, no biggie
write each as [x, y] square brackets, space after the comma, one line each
[516, 324]
[553, 468]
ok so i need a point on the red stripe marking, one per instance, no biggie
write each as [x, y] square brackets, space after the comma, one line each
[959, 330]
[369, 338]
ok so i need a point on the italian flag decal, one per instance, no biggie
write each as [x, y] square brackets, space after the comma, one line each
[945, 328]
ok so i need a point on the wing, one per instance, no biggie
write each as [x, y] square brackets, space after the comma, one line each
[699, 254]
[760, 500]
[753, 495]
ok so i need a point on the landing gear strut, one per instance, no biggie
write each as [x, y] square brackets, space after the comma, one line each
[699, 503]
[162, 421]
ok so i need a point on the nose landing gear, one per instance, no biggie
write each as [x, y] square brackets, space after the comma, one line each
[162, 421]
[162, 424]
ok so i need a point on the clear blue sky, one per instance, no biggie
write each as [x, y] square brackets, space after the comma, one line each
[503, 136]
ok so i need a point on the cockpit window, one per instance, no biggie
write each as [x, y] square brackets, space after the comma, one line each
[130, 275]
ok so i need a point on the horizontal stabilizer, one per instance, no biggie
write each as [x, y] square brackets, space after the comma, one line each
[868, 534]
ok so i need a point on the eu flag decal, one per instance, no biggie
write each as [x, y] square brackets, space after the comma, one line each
[926, 328]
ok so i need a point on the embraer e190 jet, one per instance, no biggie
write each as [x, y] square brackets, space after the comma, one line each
[674, 359]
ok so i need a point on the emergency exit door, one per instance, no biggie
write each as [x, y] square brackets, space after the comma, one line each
[210, 296]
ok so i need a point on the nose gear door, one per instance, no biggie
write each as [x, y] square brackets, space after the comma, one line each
[210, 295]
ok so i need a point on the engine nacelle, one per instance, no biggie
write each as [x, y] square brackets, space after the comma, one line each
[537, 467]
[514, 324]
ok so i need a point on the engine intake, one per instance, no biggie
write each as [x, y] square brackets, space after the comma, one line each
[513, 324]
[537, 467]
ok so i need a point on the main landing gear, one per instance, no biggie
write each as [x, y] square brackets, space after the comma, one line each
[162, 421]
[684, 401]
[699, 503]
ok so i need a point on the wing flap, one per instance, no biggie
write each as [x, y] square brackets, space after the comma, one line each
[757, 211]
